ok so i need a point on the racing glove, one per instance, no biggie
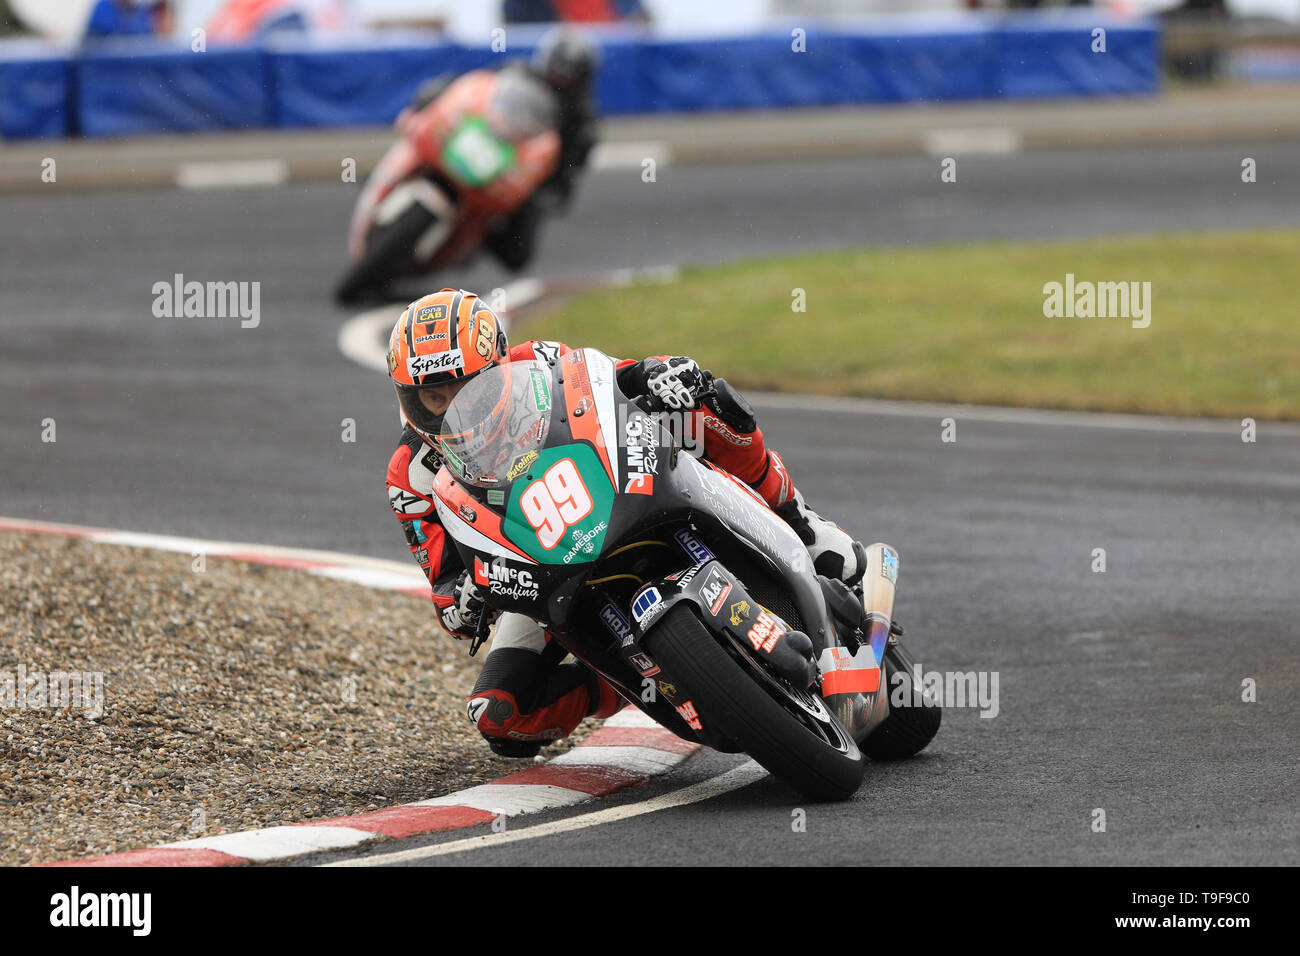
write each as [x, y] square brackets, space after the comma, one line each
[677, 382]
[461, 618]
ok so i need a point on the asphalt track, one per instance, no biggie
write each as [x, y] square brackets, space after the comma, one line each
[1118, 690]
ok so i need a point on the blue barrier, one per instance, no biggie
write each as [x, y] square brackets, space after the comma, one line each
[125, 89]
[294, 81]
[764, 72]
[344, 87]
[1056, 58]
[35, 91]
[330, 84]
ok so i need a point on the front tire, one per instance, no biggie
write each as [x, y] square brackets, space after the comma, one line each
[388, 254]
[772, 723]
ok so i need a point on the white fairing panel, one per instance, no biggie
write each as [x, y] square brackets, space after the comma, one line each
[601, 369]
[748, 515]
[460, 530]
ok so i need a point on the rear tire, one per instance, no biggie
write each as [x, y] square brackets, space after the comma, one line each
[907, 730]
[745, 707]
[387, 255]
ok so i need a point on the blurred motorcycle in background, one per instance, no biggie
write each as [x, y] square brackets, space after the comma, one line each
[463, 164]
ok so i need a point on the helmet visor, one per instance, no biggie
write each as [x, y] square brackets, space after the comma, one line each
[414, 411]
[495, 421]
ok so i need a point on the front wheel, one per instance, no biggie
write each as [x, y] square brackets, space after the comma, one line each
[388, 254]
[789, 731]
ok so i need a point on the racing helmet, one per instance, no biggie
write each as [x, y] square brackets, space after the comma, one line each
[565, 59]
[443, 338]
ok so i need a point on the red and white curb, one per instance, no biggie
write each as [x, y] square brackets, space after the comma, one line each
[629, 749]
[354, 568]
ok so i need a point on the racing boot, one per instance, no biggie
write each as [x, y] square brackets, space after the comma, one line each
[834, 553]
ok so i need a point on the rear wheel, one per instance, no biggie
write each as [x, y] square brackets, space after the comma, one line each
[907, 730]
[388, 254]
[789, 731]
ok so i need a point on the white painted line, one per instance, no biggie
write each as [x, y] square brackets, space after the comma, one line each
[372, 578]
[272, 843]
[645, 760]
[509, 798]
[363, 337]
[631, 717]
[989, 141]
[742, 776]
[520, 293]
[1015, 416]
[158, 542]
[614, 155]
[242, 172]
[375, 572]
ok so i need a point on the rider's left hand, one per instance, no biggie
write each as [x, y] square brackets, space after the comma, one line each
[677, 382]
[461, 618]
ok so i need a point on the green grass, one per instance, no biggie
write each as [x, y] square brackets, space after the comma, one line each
[965, 323]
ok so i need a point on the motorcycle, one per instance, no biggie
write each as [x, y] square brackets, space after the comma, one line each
[465, 161]
[673, 580]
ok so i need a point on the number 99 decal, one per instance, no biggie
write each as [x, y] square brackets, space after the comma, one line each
[556, 501]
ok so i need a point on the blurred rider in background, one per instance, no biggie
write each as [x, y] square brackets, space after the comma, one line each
[566, 62]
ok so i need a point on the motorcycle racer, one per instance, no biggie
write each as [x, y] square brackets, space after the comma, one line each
[564, 63]
[526, 694]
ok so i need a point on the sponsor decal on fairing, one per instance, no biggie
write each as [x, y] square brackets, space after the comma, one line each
[765, 632]
[613, 619]
[644, 664]
[693, 546]
[642, 455]
[715, 590]
[645, 605]
[690, 715]
[504, 580]
[582, 541]
[521, 465]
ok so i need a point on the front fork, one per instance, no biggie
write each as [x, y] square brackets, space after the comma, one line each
[854, 683]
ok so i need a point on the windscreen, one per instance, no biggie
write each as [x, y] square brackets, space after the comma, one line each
[504, 412]
[521, 106]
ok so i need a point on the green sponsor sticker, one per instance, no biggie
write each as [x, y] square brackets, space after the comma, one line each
[573, 543]
[454, 461]
[541, 390]
[474, 155]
